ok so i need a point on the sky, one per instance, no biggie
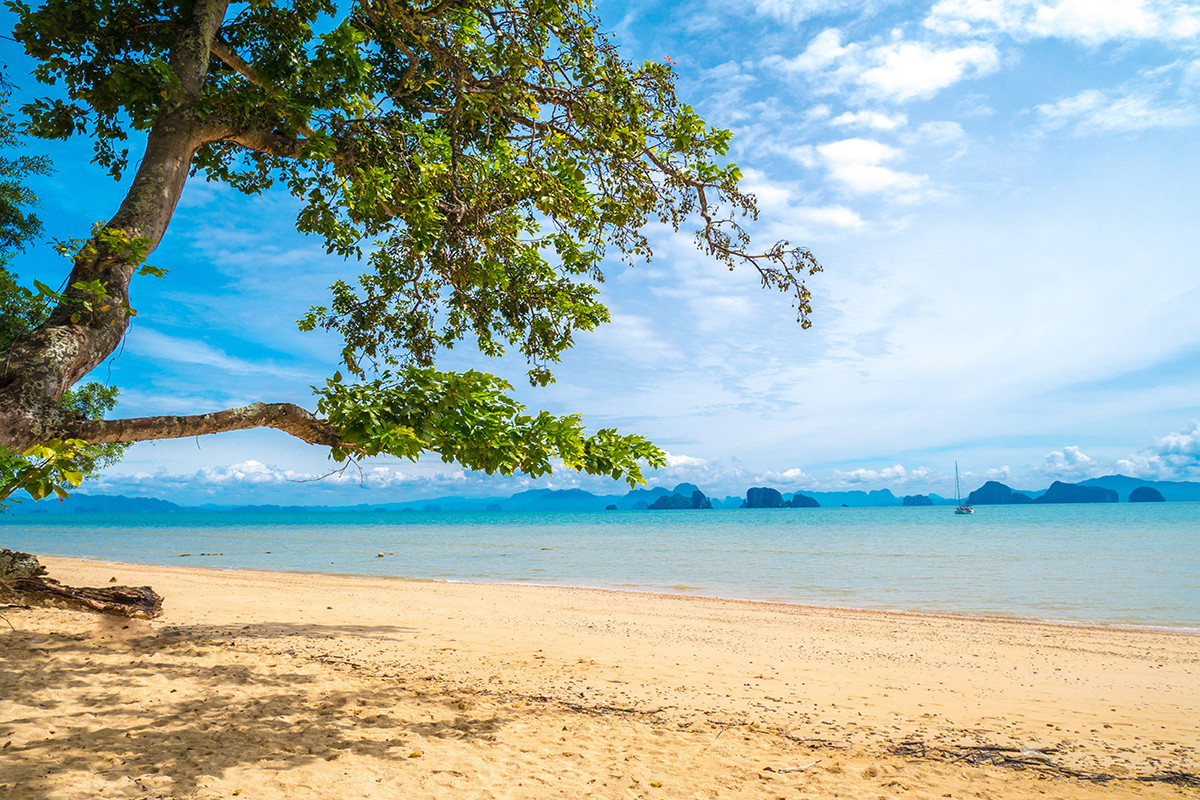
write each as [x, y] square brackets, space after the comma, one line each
[1003, 194]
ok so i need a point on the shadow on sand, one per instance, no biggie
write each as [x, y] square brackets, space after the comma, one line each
[152, 714]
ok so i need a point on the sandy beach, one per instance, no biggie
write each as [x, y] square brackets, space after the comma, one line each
[266, 685]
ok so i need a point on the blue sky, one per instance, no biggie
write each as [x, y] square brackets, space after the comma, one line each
[1004, 196]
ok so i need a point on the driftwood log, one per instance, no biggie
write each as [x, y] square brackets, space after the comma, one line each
[23, 581]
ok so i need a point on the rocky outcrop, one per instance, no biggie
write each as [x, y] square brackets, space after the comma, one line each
[697, 500]
[669, 501]
[1146, 494]
[802, 501]
[993, 493]
[763, 497]
[1060, 492]
[916, 500]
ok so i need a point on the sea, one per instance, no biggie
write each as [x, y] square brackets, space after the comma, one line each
[1115, 564]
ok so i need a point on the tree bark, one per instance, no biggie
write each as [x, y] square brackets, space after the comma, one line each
[282, 416]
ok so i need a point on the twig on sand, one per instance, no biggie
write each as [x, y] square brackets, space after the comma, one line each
[800, 768]
[1026, 758]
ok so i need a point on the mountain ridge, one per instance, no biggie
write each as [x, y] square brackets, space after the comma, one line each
[571, 500]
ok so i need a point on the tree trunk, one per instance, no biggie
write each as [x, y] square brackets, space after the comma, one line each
[40, 367]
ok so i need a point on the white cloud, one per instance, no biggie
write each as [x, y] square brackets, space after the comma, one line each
[823, 52]
[942, 133]
[896, 70]
[1175, 456]
[783, 215]
[857, 165]
[905, 70]
[794, 12]
[683, 461]
[1070, 463]
[792, 477]
[818, 113]
[1094, 112]
[1090, 22]
[252, 472]
[254, 481]
[876, 120]
[256, 473]
[893, 475]
[1000, 474]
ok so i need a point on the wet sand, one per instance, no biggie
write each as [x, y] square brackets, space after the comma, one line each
[267, 685]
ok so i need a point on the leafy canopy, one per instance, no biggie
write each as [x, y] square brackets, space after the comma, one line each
[482, 159]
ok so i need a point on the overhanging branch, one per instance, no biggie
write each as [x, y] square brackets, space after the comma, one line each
[269, 142]
[221, 49]
[287, 417]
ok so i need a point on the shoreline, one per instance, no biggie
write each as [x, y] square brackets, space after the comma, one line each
[287, 685]
[1189, 630]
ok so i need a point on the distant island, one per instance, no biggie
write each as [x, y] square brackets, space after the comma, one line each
[684, 497]
[997, 494]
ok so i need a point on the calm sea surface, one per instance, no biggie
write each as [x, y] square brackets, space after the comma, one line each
[1121, 563]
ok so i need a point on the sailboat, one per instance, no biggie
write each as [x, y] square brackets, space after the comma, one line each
[960, 509]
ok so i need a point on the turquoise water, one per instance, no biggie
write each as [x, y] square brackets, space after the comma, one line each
[1120, 563]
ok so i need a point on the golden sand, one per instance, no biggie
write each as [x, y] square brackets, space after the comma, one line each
[266, 685]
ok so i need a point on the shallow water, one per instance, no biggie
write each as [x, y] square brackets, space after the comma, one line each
[1111, 563]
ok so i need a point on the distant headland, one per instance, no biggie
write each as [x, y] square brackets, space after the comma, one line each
[684, 497]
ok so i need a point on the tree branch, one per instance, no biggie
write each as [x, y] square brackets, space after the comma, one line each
[221, 49]
[268, 142]
[287, 417]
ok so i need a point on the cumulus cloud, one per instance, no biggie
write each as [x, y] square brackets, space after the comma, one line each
[1175, 456]
[1095, 112]
[683, 461]
[1070, 463]
[858, 166]
[1000, 474]
[906, 70]
[893, 475]
[896, 70]
[256, 473]
[791, 477]
[876, 120]
[783, 212]
[254, 481]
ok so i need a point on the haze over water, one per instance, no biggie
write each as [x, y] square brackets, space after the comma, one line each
[1111, 563]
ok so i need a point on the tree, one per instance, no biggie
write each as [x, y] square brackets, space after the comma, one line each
[22, 311]
[481, 157]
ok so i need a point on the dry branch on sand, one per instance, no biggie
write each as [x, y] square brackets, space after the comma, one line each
[23, 581]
